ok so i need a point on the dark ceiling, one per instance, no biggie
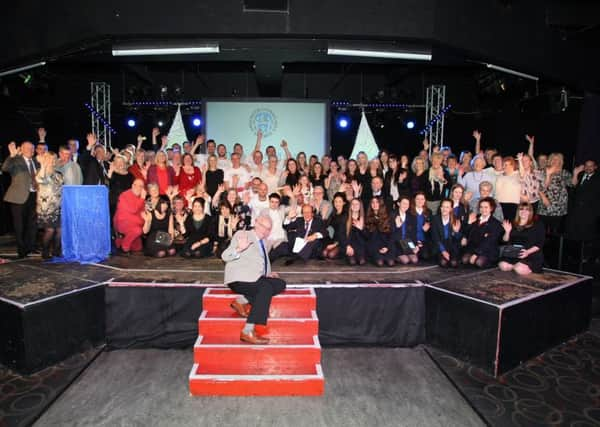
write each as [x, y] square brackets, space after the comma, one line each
[556, 40]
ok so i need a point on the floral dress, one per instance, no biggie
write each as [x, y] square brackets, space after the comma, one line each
[49, 197]
[530, 185]
[556, 192]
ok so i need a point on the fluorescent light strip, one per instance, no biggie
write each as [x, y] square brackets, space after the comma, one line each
[379, 54]
[24, 68]
[165, 51]
[513, 72]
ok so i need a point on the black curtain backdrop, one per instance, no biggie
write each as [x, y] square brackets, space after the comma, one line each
[588, 146]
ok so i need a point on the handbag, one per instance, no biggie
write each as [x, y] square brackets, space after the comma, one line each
[162, 238]
[511, 251]
[406, 245]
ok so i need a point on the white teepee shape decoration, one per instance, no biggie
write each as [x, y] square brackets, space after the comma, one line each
[365, 141]
[177, 133]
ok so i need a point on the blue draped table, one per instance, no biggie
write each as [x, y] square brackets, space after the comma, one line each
[85, 220]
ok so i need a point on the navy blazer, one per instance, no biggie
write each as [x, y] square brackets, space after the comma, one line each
[297, 228]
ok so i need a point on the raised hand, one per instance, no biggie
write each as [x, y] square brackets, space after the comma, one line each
[530, 138]
[578, 170]
[164, 140]
[200, 139]
[472, 217]
[398, 221]
[140, 140]
[259, 134]
[476, 134]
[507, 226]
[425, 144]
[91, 140]
[143, 193]
[284, 143]
[155, 132]
[12, 149]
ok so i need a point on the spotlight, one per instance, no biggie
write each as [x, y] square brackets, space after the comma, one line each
[410, 124]
[131, 123]
[196, 121]
[343, 122]
[160, 123]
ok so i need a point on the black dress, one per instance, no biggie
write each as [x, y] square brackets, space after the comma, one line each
[194, 232]
[334, 225]
[213, 180]
[529, 237]
[356, 239]
[151, 248]
[483, 239]
[376, 240]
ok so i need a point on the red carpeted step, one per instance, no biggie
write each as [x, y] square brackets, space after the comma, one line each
[220, 299]
[306, 382]
[288, 366]
[228, 326]
[274, 358]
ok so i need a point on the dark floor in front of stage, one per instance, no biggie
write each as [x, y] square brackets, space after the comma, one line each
[366, 386]
[363, 387]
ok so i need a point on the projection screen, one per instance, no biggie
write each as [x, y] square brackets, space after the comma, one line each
[303, 124]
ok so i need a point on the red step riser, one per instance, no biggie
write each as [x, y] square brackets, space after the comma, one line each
[220, 304]
[266, 361]
[287, 292]
[250, 388]
[282, 328]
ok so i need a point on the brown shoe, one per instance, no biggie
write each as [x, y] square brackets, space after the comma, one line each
[253, 338]
[239, 308]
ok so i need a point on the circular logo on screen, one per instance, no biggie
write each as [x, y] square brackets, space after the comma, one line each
[264, 120]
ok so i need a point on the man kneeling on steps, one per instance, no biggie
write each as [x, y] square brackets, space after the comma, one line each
[248, 273]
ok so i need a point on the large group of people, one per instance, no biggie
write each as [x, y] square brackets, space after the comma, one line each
[479, 208]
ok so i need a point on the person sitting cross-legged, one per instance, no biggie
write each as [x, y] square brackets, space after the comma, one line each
[248, 273]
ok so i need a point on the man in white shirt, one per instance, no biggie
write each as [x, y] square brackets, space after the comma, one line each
[222, 160]
[278, 240]
[70, 170]
[201, 159]
[259, 201]
[236, 176]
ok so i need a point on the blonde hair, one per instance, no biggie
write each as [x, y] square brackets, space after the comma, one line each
[559, 156]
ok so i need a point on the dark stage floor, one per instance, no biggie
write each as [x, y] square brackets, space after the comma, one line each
[30, 280]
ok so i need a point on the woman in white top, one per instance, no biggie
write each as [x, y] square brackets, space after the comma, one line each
[270, 175]
[508, 188]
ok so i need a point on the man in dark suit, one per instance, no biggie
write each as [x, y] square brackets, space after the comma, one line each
[22, 194]
[584, 212]
[309, 228]
[92, 163]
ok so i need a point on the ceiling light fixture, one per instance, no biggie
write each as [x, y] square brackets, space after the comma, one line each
[372, 53]
[166, 50]
[24, 68]
[513, 72]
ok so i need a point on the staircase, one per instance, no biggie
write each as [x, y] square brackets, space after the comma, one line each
[290, 365]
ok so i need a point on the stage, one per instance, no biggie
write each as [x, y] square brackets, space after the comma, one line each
[491, 319]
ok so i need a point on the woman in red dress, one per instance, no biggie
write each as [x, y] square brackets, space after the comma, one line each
[189, 175]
